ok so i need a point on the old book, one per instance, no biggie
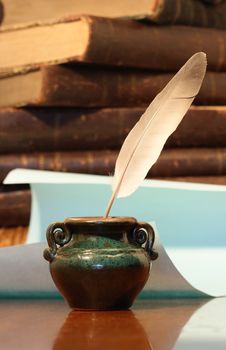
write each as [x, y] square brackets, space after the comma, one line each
[90, 162]
[88, 86]
[190, 12]
[19, 11]
[172, 162]
[107, 41]
[70, 129]
[202, 127]
[83, 86]
[15, 208]
[12, 235]
[190, 162]
[64, 129]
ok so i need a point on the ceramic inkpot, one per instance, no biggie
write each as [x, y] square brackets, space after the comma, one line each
[98, 263]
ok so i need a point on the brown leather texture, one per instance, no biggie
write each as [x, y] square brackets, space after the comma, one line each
[60, 129]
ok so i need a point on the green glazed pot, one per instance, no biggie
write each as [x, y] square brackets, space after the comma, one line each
[100, 264]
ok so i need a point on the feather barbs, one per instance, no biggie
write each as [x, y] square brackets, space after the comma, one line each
[145, 141]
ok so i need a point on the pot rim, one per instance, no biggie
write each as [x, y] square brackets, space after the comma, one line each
[94, 220]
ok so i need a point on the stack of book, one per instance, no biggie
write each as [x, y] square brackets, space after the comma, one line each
[72, 88]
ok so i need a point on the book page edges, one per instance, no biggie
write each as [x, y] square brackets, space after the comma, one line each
[21, 89]
[66, 41]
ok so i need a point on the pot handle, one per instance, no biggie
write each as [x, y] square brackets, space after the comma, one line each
[144, 233]
[57, 235]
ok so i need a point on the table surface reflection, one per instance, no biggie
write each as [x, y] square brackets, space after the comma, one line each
[157, 324]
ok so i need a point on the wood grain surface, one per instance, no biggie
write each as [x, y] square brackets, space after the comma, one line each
[50, 324]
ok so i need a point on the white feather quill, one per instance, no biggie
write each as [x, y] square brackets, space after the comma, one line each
[144, 143]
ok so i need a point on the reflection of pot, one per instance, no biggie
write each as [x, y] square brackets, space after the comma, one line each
[101, 330]
[103, 264]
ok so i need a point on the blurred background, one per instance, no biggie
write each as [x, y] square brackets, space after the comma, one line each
[72, 113]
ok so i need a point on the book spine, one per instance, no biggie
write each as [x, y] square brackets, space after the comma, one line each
[12, 236]
[201, 127]
[100, 87]
[190, 162]
[132, 44]
[172, 162]
[114, 87]
[104, 87]
[90, 162]
[212, 90]
[191, 13]
[15, 208]
[51, 129]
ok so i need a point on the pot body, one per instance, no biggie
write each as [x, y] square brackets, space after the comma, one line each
[100, 264]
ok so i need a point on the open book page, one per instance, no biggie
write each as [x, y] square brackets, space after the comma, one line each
[205, 329]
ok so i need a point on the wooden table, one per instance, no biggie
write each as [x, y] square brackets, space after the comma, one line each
[156, 324]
